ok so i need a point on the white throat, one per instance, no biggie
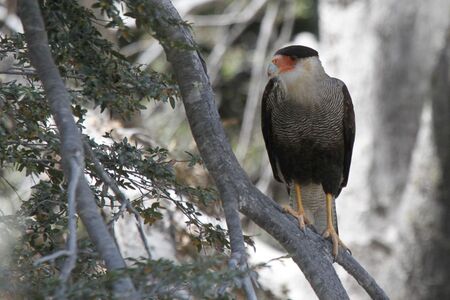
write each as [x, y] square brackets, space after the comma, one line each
[303, 82]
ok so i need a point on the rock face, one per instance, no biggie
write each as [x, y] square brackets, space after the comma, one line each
[394, 57]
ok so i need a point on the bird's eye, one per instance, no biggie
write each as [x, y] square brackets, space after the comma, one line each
[275, 60]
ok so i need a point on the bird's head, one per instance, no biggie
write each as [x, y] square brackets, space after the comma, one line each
[293, 62]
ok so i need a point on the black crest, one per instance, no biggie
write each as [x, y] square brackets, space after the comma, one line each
[297, 52]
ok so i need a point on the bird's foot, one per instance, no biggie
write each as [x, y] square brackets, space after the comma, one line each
[302, 219]
[331, 233]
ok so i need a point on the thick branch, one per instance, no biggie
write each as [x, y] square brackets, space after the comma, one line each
[308, 250]
[71, 143]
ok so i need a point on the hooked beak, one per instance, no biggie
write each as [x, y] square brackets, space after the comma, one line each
[272, 70]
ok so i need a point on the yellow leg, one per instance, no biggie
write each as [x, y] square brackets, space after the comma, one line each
[300, 213]
[330, 231]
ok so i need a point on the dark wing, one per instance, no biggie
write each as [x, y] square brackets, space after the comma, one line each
[349, 133]
[271, 95]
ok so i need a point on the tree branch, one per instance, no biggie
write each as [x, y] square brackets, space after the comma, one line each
[364, 279]
[124, 201]
[221, 45]
[311, 253]
[70, 262]
[71, 143]
[51, 257]
[20, 73]
[229, 18]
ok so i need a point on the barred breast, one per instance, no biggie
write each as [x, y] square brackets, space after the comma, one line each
[308, 136]
[318, 119]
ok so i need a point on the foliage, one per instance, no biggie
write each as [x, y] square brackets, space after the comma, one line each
[97, 76]
[205, 278]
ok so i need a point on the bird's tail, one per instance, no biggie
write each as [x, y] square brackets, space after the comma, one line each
[314, 203]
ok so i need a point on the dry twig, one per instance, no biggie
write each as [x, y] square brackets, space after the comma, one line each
[124, 201]
[228, 38]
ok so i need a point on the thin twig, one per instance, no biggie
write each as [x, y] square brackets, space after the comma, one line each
[71, 248]
[184, 7]
[224, 37]
[51, 257]
[20, 73]
[12, 187]
[215, 58]
[152, 49]
[25, 72]
[124, 201]
[230, 18]
[288, 25]
[70, 261]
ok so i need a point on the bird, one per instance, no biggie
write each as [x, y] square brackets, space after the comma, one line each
[308, 125]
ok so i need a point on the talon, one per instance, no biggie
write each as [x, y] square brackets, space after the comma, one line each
[300, 213]
[302, 219]
[331, 233]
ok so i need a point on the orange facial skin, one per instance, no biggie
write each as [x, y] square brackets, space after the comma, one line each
[284, 63]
